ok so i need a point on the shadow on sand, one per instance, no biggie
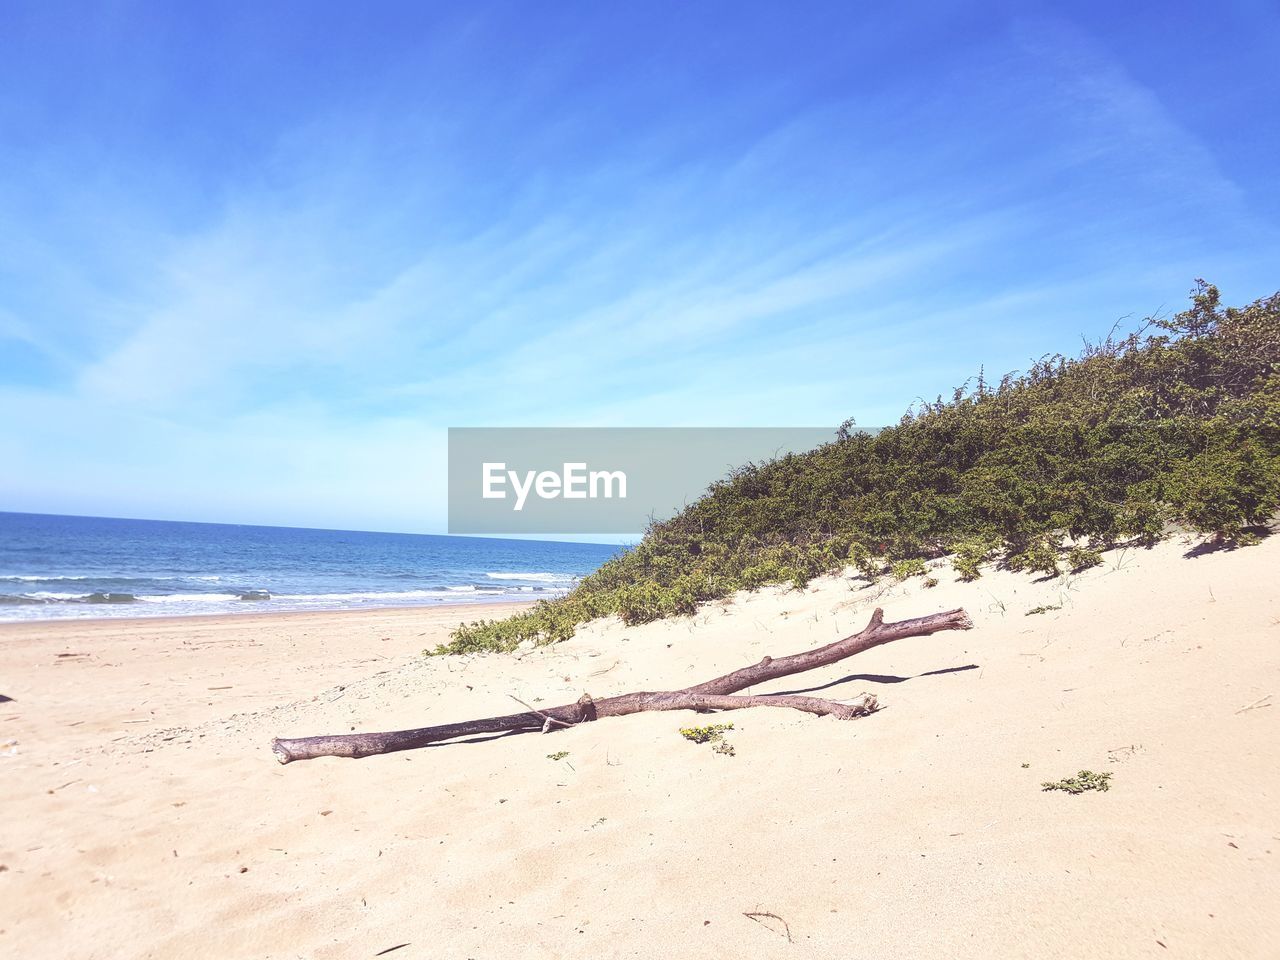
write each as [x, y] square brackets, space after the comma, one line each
[874, 678]
[853, 677]
[1220, 544]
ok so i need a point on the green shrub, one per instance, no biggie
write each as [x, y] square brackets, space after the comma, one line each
[1082, 558]
[1038, 556]
[1226, 488]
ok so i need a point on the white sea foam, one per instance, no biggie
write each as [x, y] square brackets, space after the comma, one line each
[26, 578]
[121, 577]
[397, 596]
[535, 577]
[60, 605]
[370, 596]
[188, 597]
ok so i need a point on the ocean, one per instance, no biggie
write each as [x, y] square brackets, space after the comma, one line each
[56, 566]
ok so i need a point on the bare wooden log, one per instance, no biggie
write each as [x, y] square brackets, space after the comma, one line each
[875, 633]
[357, 745]
[711, 695]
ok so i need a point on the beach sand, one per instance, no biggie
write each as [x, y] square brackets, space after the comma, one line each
[143, 814]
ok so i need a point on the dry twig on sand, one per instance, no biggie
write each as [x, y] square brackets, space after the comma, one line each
[1257, 704]
[759, 917]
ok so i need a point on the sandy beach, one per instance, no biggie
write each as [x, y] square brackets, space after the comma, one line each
[144, 815]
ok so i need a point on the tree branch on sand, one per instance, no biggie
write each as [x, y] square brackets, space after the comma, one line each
[717, 694]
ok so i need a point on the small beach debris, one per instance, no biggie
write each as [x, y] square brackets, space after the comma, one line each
[1082, 781]
[1047, 608]
[1120, 754]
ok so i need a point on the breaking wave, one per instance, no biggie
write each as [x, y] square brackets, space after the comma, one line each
[51, 603]
[534, 577]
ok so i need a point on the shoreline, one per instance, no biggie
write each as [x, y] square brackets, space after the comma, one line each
[408, 609]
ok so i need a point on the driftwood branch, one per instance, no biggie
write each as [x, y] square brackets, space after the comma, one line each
[712, 695]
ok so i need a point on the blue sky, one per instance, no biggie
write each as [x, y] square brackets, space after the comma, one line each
[255, 258]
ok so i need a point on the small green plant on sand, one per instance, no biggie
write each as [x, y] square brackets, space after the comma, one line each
[558, 755]
[1082, 558]
[712, 733]
[971, 554]
[930, 582]
[905, 569]
[725, 747]
[966, 568]
[1082, 781]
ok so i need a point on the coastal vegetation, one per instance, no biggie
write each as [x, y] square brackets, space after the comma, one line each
[1175, 425]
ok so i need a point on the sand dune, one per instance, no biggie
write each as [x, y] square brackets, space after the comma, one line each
[144, 816]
